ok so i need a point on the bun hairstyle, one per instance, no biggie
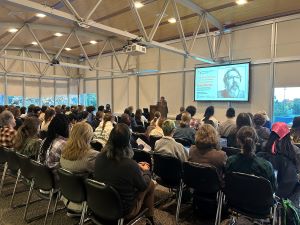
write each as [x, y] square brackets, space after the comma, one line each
[247, 137]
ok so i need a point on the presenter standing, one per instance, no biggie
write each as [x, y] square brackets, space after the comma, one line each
[162, 107]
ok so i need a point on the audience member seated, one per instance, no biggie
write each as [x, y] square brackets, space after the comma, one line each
[227, 126]
[295, 130]
[284, 157]
[268, 123]
[185, 131]
[167, 145]
[263, 133]
[157, 131]
[194, 123]
[49, 115]
[206, 149]
[90, 118]
[140, 119]
[23, 112]
[154, 121]
[17, 113]
[102, 132]
[131, 117]
[78, 157]
[97, 119]
[181, 110]
[42, 114]
[114, 166]
[26, 140]
[7, 131]
[54, 143]
[125, 119]
[246, 161]
[107, 108]
[243, 119]
[209, 117]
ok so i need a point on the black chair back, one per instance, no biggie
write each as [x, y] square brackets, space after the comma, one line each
[72, 185]
[249, 194]
[203, 178]
[103, 200]
[152, 140]
[231, 151]
[13, 161]
[25, 166]
[139, 129]
[142, 156]
[3, 155]
[168, 169]
[42, 175]
[184, 142]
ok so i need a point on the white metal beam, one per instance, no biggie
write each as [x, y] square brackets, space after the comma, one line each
[110, 31]
[197, 9]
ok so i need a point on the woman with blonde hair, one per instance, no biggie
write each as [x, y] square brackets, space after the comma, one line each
[206, 150]
[102, 132]
[77, 155]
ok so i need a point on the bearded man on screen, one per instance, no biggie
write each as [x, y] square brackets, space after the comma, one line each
[232, 80]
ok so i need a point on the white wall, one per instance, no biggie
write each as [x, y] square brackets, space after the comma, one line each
[280, 62]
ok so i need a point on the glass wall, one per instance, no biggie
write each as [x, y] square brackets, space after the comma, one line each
[286, 104]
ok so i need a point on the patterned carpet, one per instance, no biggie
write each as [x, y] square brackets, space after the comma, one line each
[164, 213]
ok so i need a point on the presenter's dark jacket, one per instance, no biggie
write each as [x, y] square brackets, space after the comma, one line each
[251, 165]
[162, 107]
[124, 175]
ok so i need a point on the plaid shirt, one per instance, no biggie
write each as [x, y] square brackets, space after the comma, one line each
[7, 137]
[54, 153]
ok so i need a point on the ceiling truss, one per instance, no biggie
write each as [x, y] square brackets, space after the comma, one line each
[84, 23]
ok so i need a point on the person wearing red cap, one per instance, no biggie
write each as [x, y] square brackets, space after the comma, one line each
[284, 157]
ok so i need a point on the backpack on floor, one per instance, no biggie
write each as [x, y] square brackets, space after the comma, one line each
[290, 213]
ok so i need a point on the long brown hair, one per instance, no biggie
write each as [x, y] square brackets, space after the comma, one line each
[107, 117]
[29, 129]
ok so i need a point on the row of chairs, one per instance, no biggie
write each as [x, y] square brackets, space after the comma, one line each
[103, 200]
[240, 189]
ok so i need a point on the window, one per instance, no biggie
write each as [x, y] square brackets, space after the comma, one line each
[91, 99]
[1, 99]
[15, 100]
[61, 100]
[73, 99]
[286, 104]
[32, 101]
[48, 101]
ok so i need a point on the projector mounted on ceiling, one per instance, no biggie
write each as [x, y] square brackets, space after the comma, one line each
[134, 47]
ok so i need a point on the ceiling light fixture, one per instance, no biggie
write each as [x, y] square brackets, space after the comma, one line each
[138, 5]
[13, 30]
[34, 43]
[172, 20]
[40, 15]
[58, 34]
[93, 42]
[241, 2]
[68, 49]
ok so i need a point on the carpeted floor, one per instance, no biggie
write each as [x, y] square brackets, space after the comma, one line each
[164, 213]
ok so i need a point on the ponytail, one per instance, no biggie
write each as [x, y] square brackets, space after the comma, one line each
[247, 138]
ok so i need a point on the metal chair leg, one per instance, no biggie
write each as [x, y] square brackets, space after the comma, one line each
[120, 221]
[179, 201]
[28, 200]
[3, 176]
[84, 209]
[218, 207]
[55, 206]
[13, 194]
[274, 215]
[48, 208]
